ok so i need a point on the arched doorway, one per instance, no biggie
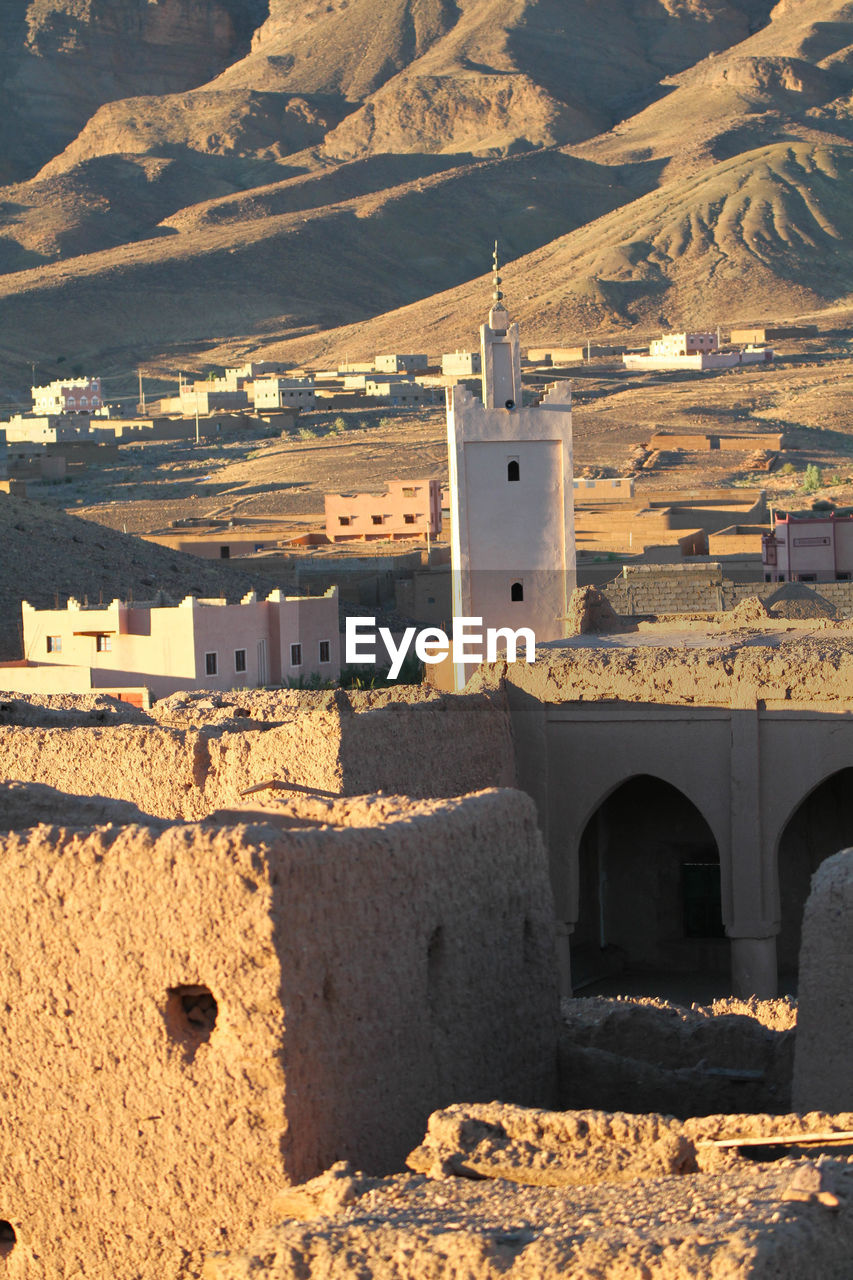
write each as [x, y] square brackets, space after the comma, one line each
[820, 826]
[648, 887]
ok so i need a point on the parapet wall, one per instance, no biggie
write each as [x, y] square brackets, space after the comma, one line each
[197, 1016]
[205, 750]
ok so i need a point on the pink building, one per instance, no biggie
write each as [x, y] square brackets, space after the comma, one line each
[409, 509]
[812, 547]
[197, 644]
[73, 395]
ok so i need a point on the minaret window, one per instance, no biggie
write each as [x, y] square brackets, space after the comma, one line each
[516, 591]
[512, 470]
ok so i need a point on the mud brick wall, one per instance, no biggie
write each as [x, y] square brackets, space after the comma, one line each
[345, 744]
[195, 1017]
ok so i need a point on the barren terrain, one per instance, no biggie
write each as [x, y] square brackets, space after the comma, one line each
[240, 175]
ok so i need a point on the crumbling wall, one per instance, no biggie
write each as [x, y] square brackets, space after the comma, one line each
[649, 1055]
[196, 1016]
[823, 1062]
[200, 752]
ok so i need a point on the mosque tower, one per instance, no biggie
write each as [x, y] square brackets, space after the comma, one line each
[511, 494]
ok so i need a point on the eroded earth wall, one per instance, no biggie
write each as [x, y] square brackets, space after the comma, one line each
[197, 1015]
[823, 1058]
[196, 753]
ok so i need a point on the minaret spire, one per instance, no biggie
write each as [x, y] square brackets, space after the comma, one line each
[496, 279]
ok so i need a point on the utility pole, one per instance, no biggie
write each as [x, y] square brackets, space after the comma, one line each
[196, 417]
[141, 392]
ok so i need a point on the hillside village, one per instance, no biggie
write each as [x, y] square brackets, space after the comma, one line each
[425, 693]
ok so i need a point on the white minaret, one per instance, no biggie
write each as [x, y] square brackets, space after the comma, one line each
[511, 494]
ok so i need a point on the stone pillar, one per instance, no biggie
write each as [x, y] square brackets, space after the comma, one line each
[748, 896]
[754, 967]
[564, 930]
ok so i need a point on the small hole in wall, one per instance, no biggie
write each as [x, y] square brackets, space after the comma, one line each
[8, 1239]
[435, 966]
[190, 1015]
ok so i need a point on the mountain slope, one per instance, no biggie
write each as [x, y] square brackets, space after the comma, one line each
[310, 165]
[765, 233]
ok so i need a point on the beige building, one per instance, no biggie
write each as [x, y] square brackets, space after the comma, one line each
[401, 363]
[461, 364]
[288, 393]
[197, 644]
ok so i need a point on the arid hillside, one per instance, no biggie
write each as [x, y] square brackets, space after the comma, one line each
[236, 174]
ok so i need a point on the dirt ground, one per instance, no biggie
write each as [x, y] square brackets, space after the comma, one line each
[805, 394]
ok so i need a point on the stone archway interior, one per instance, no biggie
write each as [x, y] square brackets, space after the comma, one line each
[649, 887]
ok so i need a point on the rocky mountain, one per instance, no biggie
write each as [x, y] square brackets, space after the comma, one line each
[185, 176]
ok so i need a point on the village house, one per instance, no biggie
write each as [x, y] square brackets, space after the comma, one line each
[398, 363]
[683, 344]
[197, 644]
[68, 395]
[409, 509]
[275, 393]
[809, 547]
[461, 364]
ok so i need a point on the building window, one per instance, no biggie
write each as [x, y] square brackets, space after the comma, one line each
[225, 552]
[409, 519]
[239, 659]
[344, 520]
[842, 577]
[325, 651]
[516, 591]
[512, 470]
[296, 655]
[409, 493]
[376, 519]
[103, 644]
[210, 664]
[54, 644]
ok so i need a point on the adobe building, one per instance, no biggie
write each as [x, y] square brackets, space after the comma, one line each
[206, 644]
[512, 494]
[198, 1016]
[409, 509]
[759, 334]
[690, 778]
[808, 546]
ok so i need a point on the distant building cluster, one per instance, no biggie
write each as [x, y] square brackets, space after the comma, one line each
[698, 350]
